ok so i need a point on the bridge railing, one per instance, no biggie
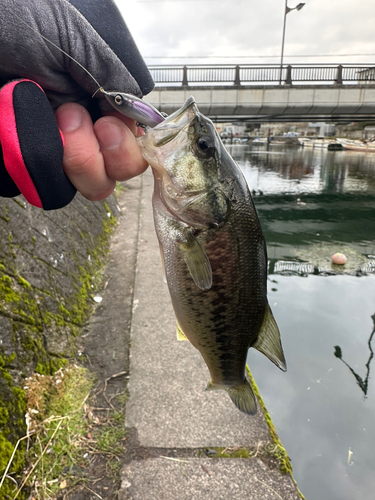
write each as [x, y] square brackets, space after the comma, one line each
[262, 74]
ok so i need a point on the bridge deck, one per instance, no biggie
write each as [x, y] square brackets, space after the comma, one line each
[273, 103]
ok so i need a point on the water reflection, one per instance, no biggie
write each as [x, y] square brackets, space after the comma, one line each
[363, 384]
[311, 204]
[305, 170]
[318, 411]
[311, 197]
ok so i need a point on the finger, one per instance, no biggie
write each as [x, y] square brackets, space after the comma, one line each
[122, 156]
[129, 122]
[83, 161]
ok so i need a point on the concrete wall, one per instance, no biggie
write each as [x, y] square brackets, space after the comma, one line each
[49, 268]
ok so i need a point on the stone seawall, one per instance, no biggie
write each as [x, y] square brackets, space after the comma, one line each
[49, 269]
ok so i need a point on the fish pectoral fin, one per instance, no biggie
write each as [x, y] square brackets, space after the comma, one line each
[242, 396]
[269, 342]
[197, 262]
[180, 334]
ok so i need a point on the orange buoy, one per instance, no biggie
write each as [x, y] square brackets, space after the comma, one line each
[339, 258]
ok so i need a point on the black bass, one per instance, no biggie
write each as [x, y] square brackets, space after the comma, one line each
[213, 250]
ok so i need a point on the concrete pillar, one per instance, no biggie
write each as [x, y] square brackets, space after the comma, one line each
[184, 77]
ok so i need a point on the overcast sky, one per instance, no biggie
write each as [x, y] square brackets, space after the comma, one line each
[250, 31]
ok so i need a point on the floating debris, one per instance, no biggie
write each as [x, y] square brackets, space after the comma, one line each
[293, 267]
[317, 259]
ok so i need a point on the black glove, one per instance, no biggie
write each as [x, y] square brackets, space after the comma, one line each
[93, 33]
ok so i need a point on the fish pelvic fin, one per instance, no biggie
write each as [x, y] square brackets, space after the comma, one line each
[269, 342]
[180, 334]
[196, 261]
[242, 396]
[163, 263]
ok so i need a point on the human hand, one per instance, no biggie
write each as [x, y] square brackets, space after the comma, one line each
[97, 155]
[94, 156]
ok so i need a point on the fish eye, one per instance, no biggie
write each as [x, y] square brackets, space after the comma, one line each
[205, 147]
[118, 99]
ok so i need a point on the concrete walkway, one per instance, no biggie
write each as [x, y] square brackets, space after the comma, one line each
[169, 410]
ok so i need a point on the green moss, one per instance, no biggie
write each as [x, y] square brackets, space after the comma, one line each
[120, 188]
[51, 366]
[231, 452]
[88, 278]
[279, 451]
[12, 411]
[33, 321]
[5, 216]
[20, 203]
[24, 282]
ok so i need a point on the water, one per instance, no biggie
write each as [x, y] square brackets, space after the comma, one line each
[313, 203]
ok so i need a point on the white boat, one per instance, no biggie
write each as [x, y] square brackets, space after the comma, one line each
[357, 145]
[314, 142]
[259, 142]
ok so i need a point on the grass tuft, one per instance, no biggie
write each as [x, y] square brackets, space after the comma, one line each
[65, 434]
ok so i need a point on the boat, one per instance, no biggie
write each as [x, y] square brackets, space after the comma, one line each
[313, 142]
[357, 145]
[259, 142]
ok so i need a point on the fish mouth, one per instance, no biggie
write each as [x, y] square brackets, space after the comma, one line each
[176, 116]
[174, 124]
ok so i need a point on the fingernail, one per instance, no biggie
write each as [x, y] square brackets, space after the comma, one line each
[70, 119]
[109, 135]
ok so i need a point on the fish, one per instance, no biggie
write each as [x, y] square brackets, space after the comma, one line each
[213, 250]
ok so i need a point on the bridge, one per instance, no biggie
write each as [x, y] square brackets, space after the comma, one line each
[266, 93]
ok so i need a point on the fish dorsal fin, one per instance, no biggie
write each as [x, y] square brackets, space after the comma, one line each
[269, 342]
[197, 262]
[180, 334]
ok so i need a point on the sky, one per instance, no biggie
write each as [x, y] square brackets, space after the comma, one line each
[250, 31]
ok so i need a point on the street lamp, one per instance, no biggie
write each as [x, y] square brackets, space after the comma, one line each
[287, 10]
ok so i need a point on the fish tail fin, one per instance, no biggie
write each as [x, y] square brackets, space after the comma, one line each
[243, 397]
[269, 342]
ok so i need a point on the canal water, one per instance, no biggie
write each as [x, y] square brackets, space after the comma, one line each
[313, 203]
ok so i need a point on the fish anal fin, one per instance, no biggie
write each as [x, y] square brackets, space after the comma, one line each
[180, 334]
[197, 262]
[269, 342]
[242, 396]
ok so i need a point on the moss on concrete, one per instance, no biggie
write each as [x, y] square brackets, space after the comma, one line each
[279, 452]
[12, 411]
[41, 323]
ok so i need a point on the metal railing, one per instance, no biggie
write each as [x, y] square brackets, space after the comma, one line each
[262, 74]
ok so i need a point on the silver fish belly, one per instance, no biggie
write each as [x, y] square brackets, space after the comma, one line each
[213, 250]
